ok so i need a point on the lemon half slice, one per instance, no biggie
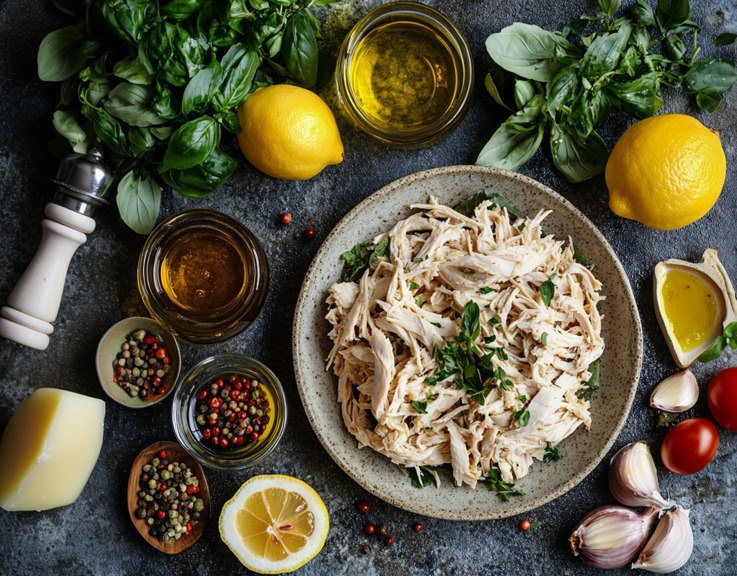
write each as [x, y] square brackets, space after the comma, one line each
[274, 524]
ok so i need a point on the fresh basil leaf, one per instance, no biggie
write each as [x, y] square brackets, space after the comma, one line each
[523, 93]
[160, 52]
[381, 250]
[108, 130]
[629, 62]
[470, 320]
[132, 104]
[495, 83]
[163, 132]
[579, 257]
[355, 265]
[672, 13]
[427, 479]
[138, 202]
[181, 9]
[675, 47]
[195, 50]
[325, 69]
[589, 111]
[201, 89]
[594, 382]
[575, 27]
[725, 39]
[127, 19]
[709, 74]
[164, 102]
[67, 91]
[229, 121]
[547, 290]
[642, 13]
[640, 38]
[530, 115]
[719, 344]
[577, 158]
[468, 206]
[200, 180]
[527, 51]
[603, 55]
[132, 70]
[273, 44]
[59, 56]
[191, 144]
[239, 67]
[563, 88]
[511, 145]
[299, 50]
[609, 7]
[223, 36]
[638, 98]
[140, 140]
[708, 100]
[420, 407]
[66, 125]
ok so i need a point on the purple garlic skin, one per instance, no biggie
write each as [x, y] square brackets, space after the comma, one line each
[670, 546]
[612, 536]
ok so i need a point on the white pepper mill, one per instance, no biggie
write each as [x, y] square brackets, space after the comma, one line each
[33, 304]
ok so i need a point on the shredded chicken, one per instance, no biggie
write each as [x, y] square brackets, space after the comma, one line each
[386, 329]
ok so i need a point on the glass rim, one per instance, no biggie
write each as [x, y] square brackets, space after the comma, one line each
[460, 52]
[206, 370]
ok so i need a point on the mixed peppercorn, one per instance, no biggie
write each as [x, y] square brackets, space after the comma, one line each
[167, 500]
[232, 412]
[141, 365]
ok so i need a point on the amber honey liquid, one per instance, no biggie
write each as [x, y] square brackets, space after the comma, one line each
[203, 272]
[404, 76]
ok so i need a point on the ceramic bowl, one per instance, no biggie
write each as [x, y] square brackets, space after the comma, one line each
[108, 349]
[620, 364]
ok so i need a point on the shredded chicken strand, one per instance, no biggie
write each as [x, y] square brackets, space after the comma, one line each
[386, 327]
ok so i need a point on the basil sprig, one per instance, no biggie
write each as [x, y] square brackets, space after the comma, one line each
[729, 338]
[158, 84]
[566, 90]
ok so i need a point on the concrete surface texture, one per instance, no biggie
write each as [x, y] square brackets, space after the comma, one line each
[95, 535]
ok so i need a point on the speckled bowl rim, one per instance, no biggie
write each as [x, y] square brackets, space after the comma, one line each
[515, 507]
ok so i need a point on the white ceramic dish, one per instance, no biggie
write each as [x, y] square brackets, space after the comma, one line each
[109, 347]
[620, 366]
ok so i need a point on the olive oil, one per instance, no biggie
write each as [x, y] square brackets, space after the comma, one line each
[690, 308]
[404, 76]
[203, 272]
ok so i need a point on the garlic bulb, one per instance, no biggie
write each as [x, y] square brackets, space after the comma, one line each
[671, 544]
[612, 536]
[677, 393]
[633, 479]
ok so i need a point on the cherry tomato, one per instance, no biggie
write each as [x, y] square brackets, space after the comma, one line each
[722, 397]
[690, 446]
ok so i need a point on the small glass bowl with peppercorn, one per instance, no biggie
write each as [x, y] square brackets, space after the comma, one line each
[138, 362]
[229, 412]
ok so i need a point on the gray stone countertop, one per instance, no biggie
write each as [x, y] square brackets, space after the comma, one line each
[95, 535]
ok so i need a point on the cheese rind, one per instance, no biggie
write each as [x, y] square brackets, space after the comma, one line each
[49, 448]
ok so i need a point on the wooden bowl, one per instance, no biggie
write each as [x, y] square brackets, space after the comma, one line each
[174, 453]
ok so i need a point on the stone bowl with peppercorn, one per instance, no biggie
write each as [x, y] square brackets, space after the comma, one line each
[138, 362]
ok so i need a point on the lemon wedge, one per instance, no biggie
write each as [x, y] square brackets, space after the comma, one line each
[274, 524]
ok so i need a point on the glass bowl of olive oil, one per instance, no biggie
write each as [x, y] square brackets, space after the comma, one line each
[405, 75]
[203, 275]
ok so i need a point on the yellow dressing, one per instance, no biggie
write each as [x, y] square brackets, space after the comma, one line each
[690, 308]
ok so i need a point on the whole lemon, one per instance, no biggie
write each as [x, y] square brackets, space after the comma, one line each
[666, 171]
[288, 132]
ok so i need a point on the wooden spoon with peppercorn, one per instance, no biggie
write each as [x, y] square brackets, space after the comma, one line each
[155, 493]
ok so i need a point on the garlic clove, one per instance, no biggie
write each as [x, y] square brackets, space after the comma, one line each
[671, 545]
[677, 393]
[612, 536]
[633, 478]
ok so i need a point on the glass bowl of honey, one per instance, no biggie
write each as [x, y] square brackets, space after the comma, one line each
[203, 275]
[229, 412]
[405, 75]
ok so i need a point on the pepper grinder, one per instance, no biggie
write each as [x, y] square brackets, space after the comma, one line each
[81, 182]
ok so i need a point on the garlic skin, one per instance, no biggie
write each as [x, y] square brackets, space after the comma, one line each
[671, 544]
[633, 478]
[612, 536]
[677, 393]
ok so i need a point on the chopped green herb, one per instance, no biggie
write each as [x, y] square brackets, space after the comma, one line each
[593, 383]
[495, 321]
[485, 290]
[544, 339]
[431, 397]
[414, 286]
[489, 339]
[523, 399]
[495, 483]
[427, 478]
[421, 407]
[547, 290]
[470, 272]
[468, 207]
[521, 227]
[430, 381]
[355, 265]
[420, 301]
[551, 454]
[729, 337]
[438, 324]
[535, 525]
[522, 416]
